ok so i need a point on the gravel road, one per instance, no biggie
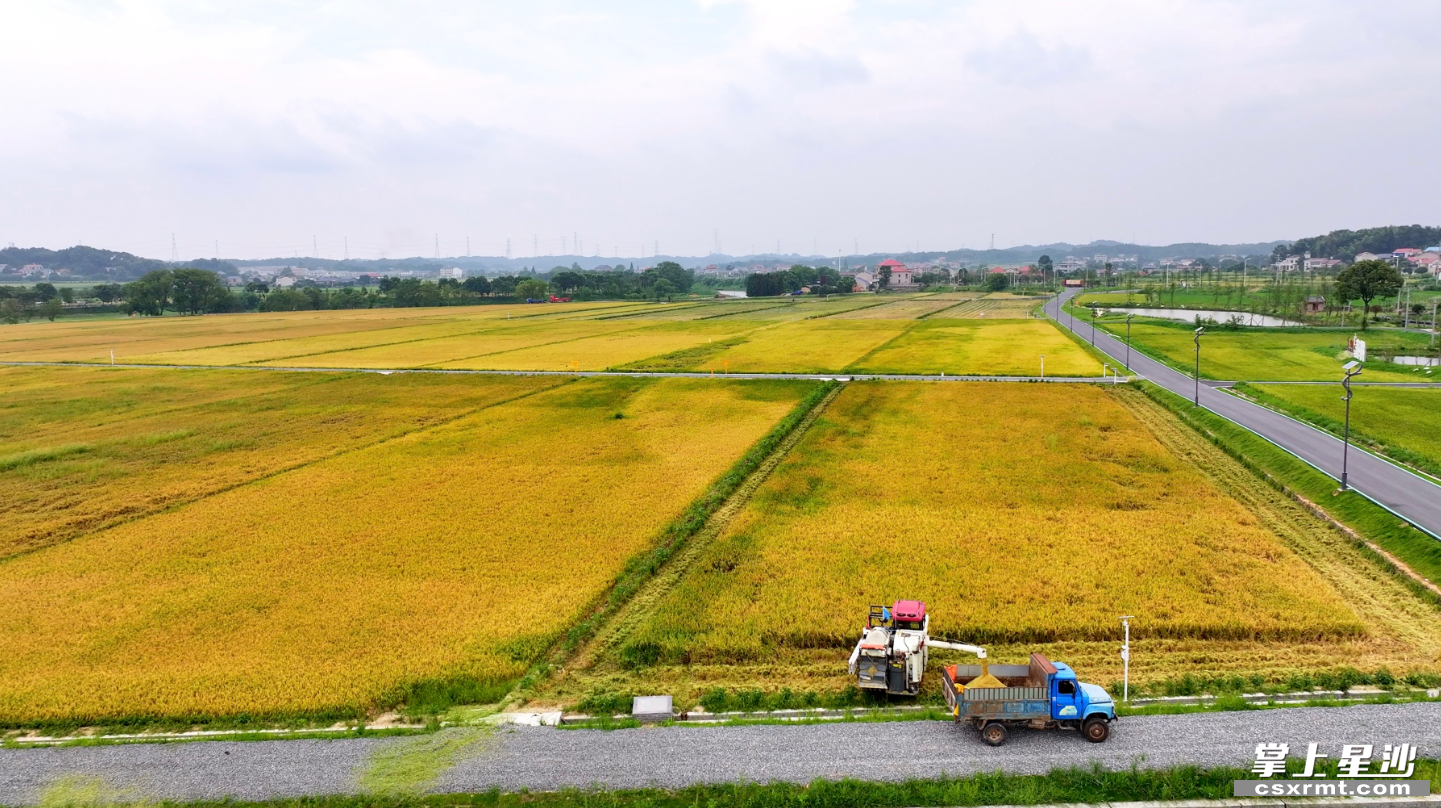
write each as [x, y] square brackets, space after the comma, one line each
[542, 758]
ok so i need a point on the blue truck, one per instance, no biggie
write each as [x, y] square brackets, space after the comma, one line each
[1041, 695]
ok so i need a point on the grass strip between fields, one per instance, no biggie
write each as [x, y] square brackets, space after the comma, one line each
[1372, 443]
[1073, 785]
[673, 537]
[1377, 532]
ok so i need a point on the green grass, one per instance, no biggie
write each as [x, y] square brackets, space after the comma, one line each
[23, 459]
[1071, 785]
[1289, 473]
[1266, 354]
[1397, 422]
[411, 765]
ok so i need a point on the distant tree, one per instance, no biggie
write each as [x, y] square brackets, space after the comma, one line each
[681, 279]
[150, 295]
[107, 292]
[663, 288]
[804, 275]
[67, 294]
[12, 309]
[567, 280]
[504, 285]
[1366, 281]
[995, 282]
[196, 291]
[1047, 268]
[45, 291]
[532, 289]
[478, 284]
[52, 308]
[883, 279]
[284, 300]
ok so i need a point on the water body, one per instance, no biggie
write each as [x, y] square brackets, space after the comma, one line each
[1418, 361]
[730, 293]
[1190, 315]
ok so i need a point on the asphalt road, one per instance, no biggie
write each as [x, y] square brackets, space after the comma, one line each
[1410, 496]
[543, 758]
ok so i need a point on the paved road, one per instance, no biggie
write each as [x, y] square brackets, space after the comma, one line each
[1414, 498]
[545, 758]
[905, 377]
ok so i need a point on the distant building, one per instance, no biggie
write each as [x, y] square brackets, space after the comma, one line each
[1405, 252]
[1315, 305]
[1313, 264]
[1288, 265]
[284, 282]
[901, 275]
[454, 273]
[1070, 265]
[864, 282]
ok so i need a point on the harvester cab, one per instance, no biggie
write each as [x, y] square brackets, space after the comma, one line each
[893, 649]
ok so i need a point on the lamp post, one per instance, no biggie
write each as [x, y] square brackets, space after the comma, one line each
[1352, 368]
[1128, 340]
[1093, 325]
[1199, 331]
[1126, 658]
[1043, 367]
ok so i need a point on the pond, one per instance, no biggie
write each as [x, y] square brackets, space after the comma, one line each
[1419, 361]
[1190, 315]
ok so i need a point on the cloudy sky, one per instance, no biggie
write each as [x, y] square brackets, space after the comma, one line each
[283, 127]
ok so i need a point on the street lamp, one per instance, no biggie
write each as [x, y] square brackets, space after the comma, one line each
[1199, 331]
[1352, 368]
[1043, 367]
[1128, 340]
[1093, 325]
[1126, 658]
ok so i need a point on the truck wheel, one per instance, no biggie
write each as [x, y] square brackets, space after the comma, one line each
[994, 734]
[1096, 730]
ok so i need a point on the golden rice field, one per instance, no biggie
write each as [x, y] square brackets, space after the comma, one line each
[1005, 347]
[459, 548]
[995, 306]
[85, 448]
[770, 336]
[1028, 517]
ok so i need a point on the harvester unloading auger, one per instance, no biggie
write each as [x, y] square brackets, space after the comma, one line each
[892, 652]
[891, 657]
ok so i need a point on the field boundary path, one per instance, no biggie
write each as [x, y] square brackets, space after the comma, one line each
[545, 758]
[643, 374]
[1398, 490]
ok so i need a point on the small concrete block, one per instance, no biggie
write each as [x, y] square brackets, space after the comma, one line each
[652, 708]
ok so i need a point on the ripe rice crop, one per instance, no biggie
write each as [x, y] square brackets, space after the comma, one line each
[100, 446]
[602, 352]
[994, 307]
[460, 550]
[1019, 513]
[823, 345]
[497, 338]
[1002, 348]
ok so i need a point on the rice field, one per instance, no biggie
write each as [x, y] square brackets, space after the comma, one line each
[1003, 348]
[998, 306]
[462, 548]
[1027, 517]
[82, 449]
[771, 335]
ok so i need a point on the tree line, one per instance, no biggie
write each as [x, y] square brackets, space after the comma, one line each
[1347, 244]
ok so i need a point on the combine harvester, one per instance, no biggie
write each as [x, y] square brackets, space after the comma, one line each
[891, 658]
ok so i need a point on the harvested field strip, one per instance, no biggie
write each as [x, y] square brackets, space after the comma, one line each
[943, 310]
[995, 308]
[164, 455]
[314, 592]
[807, 346]
[899, 310]
[591, 353]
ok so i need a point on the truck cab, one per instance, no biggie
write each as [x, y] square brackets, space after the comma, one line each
[1074, 700]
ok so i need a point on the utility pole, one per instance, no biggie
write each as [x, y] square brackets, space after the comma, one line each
[1126, 658]
[467, 246]
[437, 245]
[507, 247]
[174, 252]
[1351, 368]
[1128, 340]
[314, 247]
[347, 248]
[1199, 332]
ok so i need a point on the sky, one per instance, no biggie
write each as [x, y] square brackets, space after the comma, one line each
[276, 128]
